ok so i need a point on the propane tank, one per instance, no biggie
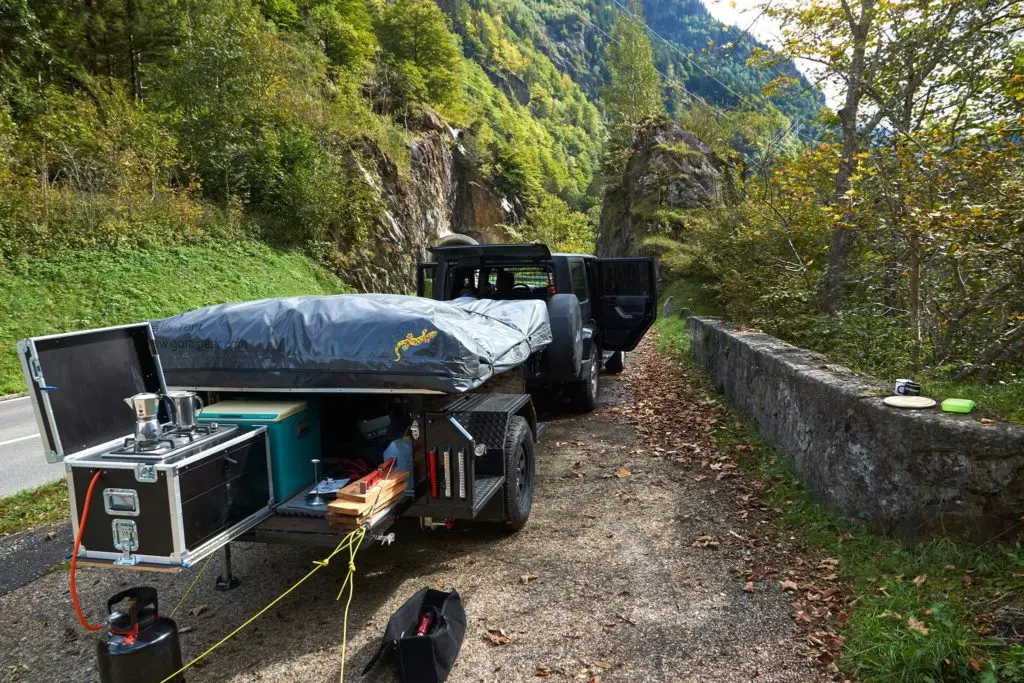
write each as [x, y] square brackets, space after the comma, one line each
[139, 645]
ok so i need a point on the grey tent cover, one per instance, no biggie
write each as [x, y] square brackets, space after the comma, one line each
[350, 341]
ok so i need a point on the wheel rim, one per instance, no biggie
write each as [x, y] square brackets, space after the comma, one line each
[523, 474]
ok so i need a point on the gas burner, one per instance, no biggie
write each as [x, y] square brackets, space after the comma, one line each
[172, 441]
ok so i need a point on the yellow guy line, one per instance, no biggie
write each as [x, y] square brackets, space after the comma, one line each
[346, 543]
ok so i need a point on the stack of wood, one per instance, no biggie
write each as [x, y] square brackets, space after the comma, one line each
[362, 499]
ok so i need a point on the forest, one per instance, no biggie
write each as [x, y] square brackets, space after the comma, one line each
[892, 237]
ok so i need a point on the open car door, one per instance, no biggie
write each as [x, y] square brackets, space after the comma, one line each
[627, 295]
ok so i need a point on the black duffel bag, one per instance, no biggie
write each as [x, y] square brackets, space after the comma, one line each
[428, 658]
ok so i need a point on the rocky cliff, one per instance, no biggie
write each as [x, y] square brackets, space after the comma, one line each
[440, 193]
[667, 171]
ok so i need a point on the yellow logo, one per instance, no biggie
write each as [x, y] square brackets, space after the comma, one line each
[404, 344]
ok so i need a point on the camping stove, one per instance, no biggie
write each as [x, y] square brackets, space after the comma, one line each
[172, 440]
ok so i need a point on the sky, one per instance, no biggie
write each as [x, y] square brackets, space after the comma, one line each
[742, 12]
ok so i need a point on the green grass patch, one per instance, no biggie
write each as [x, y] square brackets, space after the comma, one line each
[969, 598]
[81, 289]
[1003, 400]
[42, 506]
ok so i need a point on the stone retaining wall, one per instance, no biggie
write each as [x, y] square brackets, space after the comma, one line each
[912, 473]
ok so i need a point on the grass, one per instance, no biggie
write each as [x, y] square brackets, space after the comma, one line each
[1002, 400]
[81, 289]
[42, 506]
[969, 597]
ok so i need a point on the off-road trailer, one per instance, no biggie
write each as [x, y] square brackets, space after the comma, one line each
[473, 452]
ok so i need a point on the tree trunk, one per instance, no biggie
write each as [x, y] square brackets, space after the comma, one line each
[914, 305]
[833, 283]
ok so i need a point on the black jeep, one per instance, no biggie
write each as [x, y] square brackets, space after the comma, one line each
[599, 308]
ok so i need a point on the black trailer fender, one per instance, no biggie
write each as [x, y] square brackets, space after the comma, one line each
[468, 438]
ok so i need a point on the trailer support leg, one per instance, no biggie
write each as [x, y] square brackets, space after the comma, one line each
[226, 581]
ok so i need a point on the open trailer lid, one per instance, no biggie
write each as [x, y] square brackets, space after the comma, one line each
[350, 341]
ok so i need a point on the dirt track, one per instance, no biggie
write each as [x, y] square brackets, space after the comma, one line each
[621, 591]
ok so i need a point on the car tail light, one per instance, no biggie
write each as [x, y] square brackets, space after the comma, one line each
[432, 467]
[462, 473]
[446, 466]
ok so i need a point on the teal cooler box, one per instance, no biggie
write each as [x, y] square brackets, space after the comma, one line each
[293, 432]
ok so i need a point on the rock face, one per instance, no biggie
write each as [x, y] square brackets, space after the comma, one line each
[668, 171]
[915, 474]
[441, 193]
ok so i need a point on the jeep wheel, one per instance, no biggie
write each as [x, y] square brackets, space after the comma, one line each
[615, 363]
[584, 394]
[520, 473]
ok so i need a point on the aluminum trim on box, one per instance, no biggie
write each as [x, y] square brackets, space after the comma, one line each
[177, 531]
[53, 450]
[225, 537]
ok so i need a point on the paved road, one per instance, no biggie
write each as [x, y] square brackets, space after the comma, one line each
[22, 464]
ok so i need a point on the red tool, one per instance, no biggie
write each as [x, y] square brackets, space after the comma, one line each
[378, 474]
[425, 621]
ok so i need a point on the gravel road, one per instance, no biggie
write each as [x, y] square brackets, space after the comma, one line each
[621, 592]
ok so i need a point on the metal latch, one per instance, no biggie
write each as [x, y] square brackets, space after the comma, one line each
[36, 371]
[126, 539]
[145, 473]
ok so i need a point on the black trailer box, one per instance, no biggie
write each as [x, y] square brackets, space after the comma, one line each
[146, 509]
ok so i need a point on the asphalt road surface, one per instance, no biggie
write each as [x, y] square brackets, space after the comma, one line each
[22, 464]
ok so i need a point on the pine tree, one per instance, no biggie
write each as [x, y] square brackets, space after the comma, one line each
[634, 92]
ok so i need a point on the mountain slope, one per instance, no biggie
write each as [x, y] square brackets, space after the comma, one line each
[698, 51]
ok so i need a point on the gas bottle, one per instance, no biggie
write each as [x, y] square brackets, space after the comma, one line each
[139, 645]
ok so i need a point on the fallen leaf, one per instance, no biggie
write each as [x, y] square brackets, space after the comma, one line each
[543, 670]
[789, 586]
[975, 664]
[594, 679]
[527, 578]
[51, 535]
[602, 664]
[749, 587]
[918, 580]
[917, 626]
[705, 542]
[182, 630]
[621, 472]
[497, 636]
[197, 610]
[986, 421]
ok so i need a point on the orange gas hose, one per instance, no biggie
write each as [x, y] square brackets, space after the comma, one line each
[74, 557]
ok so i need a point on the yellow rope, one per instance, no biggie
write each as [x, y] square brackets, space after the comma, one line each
[191, 585]
[318, 565]
[350, 581]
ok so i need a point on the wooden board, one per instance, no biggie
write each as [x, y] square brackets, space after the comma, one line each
[356, 492]
[378, 497]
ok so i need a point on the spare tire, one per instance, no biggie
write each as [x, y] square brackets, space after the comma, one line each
[455, 239]
[564, 356]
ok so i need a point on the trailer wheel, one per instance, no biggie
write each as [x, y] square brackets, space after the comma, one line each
[520, 473]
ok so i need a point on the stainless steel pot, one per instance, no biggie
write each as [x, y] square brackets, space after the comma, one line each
[187, 406]
[147, 421]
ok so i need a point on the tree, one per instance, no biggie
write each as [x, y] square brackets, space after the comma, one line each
[901, 63]
[634, 92]
[418, 44]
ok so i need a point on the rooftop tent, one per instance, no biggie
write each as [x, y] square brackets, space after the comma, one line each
[350, 341]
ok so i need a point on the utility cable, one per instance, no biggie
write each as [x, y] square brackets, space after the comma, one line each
[74, 556]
